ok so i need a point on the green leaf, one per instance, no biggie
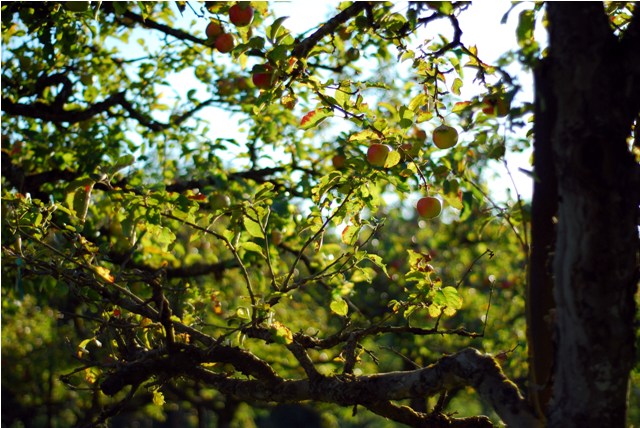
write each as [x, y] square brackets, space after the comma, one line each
[314, 118]
[460, 106]
[377, 260]
[392, 159]
[457, 84]
[524, 31]
[253, 247]
[275, 27]
[339, 306]
[252, 227]
[449, 297]
[350, 234]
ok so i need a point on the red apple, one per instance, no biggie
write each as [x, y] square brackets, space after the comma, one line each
[338, 161]
[429, 207]
[263, 77]
[241, 15]
[445, 136]
[214, 29]
[419, 134]
[377, 154]
[224, 42]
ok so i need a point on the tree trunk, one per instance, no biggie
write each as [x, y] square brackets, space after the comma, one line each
[594, 79]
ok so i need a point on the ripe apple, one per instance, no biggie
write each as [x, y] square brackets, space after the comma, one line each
[338, 161]
[241, 15]
[419, 134]
[445, 136]
[495, 104]
[429, 207]
[377, 154]
[224, 42]
[263, 77]
[214, 29]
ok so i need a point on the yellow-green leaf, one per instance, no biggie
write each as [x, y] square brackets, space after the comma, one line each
[339, 306]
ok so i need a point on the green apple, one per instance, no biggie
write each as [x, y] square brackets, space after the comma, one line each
[444, 136]
[219, 201]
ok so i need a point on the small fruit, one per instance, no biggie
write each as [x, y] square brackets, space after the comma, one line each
[353, 54]
[219, 202]
[495, 105]
[429, 207]
[224, 42]
[240, 15]
[263, 78]
[338, 161]
[276, 237]
[420, 134]
[377, 154]
[214, 29]
[445, 136]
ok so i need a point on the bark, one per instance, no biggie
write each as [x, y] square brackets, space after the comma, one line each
[594, 79]
[544, 207]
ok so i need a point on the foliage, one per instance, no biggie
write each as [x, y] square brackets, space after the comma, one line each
[156, 203]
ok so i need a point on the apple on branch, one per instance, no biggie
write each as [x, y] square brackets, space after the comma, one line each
[241, 14]
[377, 154]
[224, 43]
[445, 136]
[263, 76]
[429, 207]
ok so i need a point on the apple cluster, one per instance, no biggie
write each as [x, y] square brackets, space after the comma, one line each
[240, 15]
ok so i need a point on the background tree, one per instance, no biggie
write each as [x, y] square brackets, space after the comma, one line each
[157, 263]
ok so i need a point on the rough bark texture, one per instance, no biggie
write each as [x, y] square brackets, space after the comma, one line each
[595, 82]
[544, 206]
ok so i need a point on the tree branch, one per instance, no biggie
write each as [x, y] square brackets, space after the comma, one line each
[465, 368]
[303, 48]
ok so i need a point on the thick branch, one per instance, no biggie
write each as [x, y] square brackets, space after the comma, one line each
[303, 48]
[53, 114]
[465, 368]
[150, 23]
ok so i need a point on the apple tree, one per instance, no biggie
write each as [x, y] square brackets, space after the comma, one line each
[210, 218]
